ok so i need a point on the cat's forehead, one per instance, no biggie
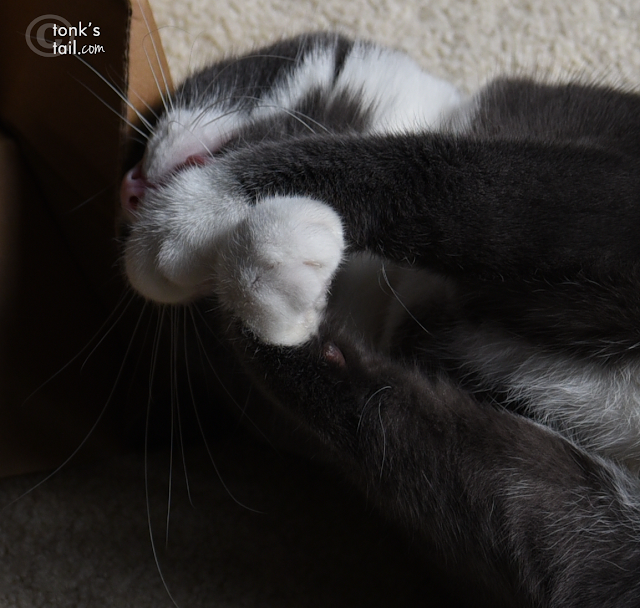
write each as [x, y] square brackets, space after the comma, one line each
[217, 103]
[302, 86]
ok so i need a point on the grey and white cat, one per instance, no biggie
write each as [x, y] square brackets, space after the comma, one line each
[444, 290]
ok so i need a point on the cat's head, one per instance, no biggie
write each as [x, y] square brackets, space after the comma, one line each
[274, 93]
[305, 86]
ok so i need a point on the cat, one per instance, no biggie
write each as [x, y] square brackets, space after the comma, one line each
[443, 289]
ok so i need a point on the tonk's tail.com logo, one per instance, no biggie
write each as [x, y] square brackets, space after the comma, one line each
[53, 36]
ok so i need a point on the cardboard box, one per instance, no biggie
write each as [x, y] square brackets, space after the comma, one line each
[62, 142]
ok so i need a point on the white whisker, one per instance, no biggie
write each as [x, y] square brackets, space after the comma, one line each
[399, 299]
[214, 81]
[167, 89]
[242, 409]
[119, 93]
[172, 405]
[178, 412]
[384, 439]
[146, 105]
[87, 201]
[190, 131]
[364, 407]
[91, 430]
[299, 116]
[154, 360]
[88, 344]
[201, 427]
[203, 113]
[116, 112]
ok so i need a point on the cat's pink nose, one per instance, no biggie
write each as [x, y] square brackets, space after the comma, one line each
[133, 188]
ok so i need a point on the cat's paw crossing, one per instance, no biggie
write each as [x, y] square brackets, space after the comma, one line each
[275, 268]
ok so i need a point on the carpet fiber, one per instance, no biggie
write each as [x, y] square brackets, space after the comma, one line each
[272, 530]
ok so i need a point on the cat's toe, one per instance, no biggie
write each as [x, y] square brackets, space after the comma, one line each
[277, 266]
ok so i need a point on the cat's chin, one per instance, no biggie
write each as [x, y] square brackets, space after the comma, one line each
[151, 284]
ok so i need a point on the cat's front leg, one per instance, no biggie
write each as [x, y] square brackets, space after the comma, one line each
[270, 262]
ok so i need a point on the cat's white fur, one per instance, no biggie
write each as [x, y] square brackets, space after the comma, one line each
[179, 230]
[403, 97]
[596, 405]
[271, 264]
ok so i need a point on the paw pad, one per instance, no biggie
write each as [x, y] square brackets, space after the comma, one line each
[277, 265]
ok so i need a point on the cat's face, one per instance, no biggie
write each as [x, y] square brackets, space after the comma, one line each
[226, 105]
[166, 198]
[181, 199]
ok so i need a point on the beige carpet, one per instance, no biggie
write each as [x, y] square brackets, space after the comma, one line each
[462, 41]
[278, 532]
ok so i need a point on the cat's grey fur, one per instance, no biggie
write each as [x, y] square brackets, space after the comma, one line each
[444, 290]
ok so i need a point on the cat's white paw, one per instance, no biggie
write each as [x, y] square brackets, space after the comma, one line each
[270, 264]
[275, 269]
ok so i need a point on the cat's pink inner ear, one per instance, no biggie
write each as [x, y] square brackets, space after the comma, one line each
[333, 355]
[198, 159]
[132, 189]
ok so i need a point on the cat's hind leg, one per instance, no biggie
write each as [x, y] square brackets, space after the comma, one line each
[523, 514]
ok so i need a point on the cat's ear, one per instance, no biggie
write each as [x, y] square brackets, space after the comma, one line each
[332, 354]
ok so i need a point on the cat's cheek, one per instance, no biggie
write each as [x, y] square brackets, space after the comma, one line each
[175, 234]
[163, 270]
[142, 271]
